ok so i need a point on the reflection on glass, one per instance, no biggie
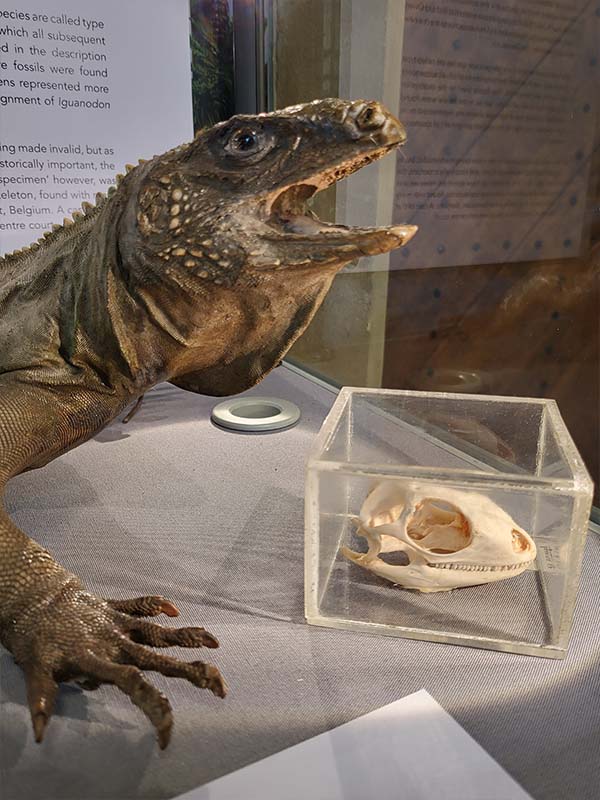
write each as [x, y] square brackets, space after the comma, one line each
[499, 292]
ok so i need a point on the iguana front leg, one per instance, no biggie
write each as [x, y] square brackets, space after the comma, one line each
[56, 630]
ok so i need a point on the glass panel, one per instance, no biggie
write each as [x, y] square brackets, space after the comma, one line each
[492, 437]
[498, 293]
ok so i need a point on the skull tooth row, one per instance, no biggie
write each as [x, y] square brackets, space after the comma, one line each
[430, 529]
[481, 567]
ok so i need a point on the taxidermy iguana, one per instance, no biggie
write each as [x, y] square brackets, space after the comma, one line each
[201, 268]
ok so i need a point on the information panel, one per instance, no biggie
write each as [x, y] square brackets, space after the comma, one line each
[85, 87]
[500, 102]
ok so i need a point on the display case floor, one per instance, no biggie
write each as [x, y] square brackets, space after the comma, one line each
[170, 504]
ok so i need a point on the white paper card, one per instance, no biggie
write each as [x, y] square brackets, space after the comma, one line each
[409, 749]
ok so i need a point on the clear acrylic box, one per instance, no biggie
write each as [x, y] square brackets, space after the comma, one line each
[513, 454]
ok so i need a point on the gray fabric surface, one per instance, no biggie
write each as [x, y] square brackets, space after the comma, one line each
[214, 520]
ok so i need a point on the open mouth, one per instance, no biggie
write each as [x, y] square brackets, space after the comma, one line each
[289, 212]
[288, 215]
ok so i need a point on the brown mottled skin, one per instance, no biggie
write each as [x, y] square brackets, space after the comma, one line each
[201, 268]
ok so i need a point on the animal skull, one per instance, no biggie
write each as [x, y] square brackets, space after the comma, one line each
[435, 542]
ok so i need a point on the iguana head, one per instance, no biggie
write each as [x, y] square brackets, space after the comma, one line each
[234, 199]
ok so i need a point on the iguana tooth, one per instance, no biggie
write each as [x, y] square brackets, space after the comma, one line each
[56, 226]
[77, 215]
[110, 191]
[129, 167]
[67, 221]
[87, 207]
[47, 233]
[100, 198]
[120, 177]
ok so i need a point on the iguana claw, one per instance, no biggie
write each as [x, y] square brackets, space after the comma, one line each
[41, 694]
[150, 606]
[133, 411]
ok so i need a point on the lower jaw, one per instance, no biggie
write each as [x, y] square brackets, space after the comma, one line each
[310, 227]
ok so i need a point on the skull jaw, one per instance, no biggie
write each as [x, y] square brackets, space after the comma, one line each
[423, 578]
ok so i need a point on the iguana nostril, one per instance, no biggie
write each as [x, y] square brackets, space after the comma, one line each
[371, 117]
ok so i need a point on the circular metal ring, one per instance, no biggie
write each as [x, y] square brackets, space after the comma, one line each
[255, 414]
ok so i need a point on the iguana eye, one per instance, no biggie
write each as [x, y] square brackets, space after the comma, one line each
[244, 142]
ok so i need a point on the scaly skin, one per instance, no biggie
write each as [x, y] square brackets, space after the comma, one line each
[202, 268]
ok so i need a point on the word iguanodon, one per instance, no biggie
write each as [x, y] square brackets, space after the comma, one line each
[201, 267]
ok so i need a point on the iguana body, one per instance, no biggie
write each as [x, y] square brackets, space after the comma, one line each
[202, 269]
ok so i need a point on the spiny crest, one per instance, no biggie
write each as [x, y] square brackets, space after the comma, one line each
[68, 222]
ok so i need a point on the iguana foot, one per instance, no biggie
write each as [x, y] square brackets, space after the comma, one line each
[76, 636]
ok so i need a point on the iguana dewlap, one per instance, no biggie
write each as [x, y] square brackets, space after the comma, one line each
[201, 268]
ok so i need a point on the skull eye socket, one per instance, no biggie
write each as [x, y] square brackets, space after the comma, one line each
[439, 527]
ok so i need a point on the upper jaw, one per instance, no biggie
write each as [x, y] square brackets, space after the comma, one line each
[304, 189]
